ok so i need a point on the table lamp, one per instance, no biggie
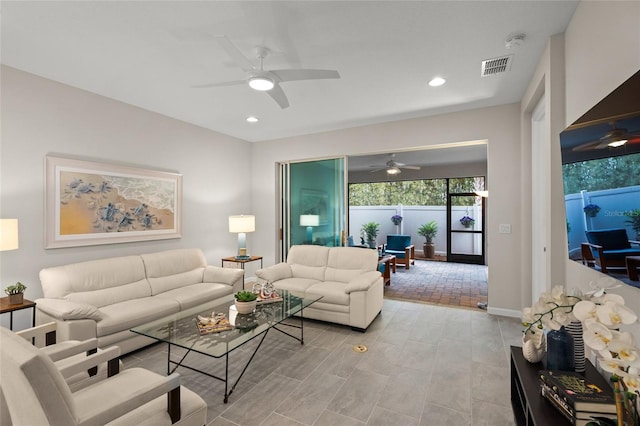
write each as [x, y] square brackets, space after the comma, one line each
[309, 220]
[8, 234]
[241, 224]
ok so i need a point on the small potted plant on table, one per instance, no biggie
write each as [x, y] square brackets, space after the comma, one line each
[246, 302]
[15, 293]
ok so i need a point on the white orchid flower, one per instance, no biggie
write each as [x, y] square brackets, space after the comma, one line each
[632, 383]
[613, 314]
[584, 309]
[622, 345]
[596, 335]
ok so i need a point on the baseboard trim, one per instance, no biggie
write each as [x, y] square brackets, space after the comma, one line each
[504, 312]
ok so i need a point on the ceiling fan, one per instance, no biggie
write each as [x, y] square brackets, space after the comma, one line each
[392, 167]
[614, 138]
[266, 80]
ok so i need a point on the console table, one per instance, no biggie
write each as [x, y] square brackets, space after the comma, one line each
[529, 406]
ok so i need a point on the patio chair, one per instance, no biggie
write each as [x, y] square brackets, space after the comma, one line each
[400, 246]
[35, 393]
[609, 248]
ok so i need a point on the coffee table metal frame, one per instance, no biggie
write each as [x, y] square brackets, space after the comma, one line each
[180, 329]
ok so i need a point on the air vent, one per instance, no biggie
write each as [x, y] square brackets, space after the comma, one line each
[496, 65]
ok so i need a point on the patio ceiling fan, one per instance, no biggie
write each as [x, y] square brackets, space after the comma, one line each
[614, 138]
[392, 167]
[267, 81]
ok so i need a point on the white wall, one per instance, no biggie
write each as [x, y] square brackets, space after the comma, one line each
[40, 116]
[597, 62]
[499, 125]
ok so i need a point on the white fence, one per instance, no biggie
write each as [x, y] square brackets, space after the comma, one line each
[413, 217]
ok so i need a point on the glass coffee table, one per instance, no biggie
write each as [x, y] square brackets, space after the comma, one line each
[181, 330]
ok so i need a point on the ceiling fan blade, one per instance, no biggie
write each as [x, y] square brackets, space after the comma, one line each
[303, 74]
[410, 167]
[227, 83]
[278, 95]
[235, 53]
[379, 169]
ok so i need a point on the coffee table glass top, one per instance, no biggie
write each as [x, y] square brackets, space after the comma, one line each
[181, 328]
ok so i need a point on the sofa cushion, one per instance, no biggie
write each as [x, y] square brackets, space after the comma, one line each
[170, 269]
[346, 263]
[308, 261]
[160, 285]
[331, 292]
[97, 282]
[398, 242]
[125, 315]
[197, 294]
[297, 286]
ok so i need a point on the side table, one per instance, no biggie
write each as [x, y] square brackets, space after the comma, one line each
[633, 263]
[6, 307]
[242, 262]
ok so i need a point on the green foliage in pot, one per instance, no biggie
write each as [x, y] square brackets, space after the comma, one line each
[428, 230]
[246, 296]
[634, 219]
[17, 288]
[370, 229]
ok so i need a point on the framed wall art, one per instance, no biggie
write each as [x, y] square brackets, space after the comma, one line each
[91, 203]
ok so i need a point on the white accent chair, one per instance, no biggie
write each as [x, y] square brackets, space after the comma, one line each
[36, 393]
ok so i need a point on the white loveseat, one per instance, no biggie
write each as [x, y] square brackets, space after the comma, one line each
[347, 278]
[104, 298]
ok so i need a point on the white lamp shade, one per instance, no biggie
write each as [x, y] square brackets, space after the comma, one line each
[242, 223]
[309, 220]
[8, 234]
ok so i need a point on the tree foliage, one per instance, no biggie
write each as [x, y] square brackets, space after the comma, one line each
[605, 173]
[426, 192]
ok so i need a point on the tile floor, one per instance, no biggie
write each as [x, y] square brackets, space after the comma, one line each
[442, 283]
[425, 365]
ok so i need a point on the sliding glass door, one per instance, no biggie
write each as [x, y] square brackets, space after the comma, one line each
[313, 203]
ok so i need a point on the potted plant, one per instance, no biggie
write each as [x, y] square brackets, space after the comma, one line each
[591, 210]
[467, 221]
[396, 219]
[428, 231]
[246, 301]
[634, 221]
[16, 293]
[370, 231]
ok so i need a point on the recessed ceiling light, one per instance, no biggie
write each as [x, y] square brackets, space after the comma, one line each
[252, 119]
[437, 81]
[615, 144]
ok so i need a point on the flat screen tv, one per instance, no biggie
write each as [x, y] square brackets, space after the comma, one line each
[601, 176]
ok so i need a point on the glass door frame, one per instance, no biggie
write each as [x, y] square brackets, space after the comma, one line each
[284, 203]
[458, 257]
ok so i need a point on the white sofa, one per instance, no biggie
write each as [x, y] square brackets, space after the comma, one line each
[104, 298]
[347, 278]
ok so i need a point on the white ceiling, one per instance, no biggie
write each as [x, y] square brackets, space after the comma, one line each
[150, 53]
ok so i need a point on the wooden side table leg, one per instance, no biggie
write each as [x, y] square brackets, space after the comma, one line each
[632, 268]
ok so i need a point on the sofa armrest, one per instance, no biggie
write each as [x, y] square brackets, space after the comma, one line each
[73, 365]
[363, 282]
[64, 310]
[275, 273]
[228, 276]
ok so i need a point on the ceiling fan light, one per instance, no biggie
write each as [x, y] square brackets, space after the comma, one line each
[262, 84]
[615, 144]
[393, 171]
[437, 81]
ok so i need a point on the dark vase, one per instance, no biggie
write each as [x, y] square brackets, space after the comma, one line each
[560, 354]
